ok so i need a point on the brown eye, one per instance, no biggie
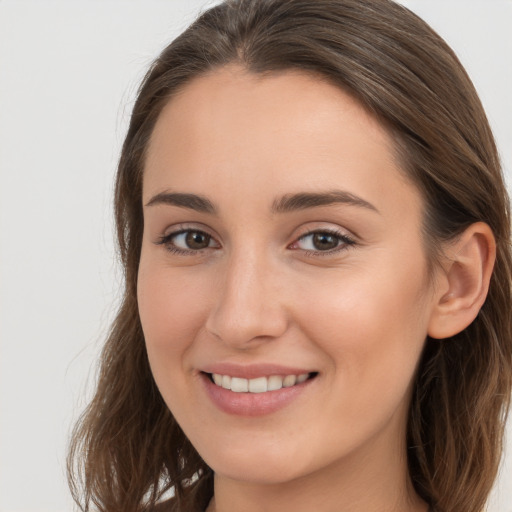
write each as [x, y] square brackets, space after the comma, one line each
[188, 241]
[324, 241]
[197, 240]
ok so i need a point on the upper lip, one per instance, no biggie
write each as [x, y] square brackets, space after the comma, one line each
[252, 371]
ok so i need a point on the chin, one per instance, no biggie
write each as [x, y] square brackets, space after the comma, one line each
[258, 472]
[260, 466]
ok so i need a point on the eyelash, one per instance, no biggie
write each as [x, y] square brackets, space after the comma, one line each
[166, 241]
[344, 242]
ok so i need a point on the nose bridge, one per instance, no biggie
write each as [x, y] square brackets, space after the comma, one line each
[249, 306]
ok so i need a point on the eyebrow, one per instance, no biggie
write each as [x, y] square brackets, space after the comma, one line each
[190, 201]
[305, 200]
[285, 204]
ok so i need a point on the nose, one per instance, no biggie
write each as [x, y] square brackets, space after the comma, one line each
[250, 308]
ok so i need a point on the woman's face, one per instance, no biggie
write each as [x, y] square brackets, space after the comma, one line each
[281, 240]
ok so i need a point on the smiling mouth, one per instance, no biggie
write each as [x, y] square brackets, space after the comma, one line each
[259, 384]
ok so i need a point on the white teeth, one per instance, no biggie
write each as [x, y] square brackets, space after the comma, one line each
[258, 385]
[226, 382]
[289, 381]
[302, 378]
[275, 382]
[239, 385]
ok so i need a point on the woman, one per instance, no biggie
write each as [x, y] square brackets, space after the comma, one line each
[316, 239]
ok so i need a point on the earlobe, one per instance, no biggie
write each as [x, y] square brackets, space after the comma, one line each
[464, 281]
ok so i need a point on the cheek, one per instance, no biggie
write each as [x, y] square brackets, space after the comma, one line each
[372, 324]
[172, 311]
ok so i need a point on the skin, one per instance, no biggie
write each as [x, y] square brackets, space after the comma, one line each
[261, 293]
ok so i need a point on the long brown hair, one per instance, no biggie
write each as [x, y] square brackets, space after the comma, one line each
[127, 449]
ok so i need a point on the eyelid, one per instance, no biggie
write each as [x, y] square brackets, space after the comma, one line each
[187, 226]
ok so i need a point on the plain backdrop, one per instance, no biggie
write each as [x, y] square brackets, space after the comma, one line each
[68, 74]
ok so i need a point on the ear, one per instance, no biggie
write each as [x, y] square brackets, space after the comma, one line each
[463, 281]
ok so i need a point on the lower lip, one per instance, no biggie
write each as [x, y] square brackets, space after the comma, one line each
[252, 404]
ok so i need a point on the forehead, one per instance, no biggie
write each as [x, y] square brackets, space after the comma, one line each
[291, 130]
[234, 97]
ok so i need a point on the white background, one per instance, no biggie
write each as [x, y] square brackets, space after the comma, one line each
[68, 73]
